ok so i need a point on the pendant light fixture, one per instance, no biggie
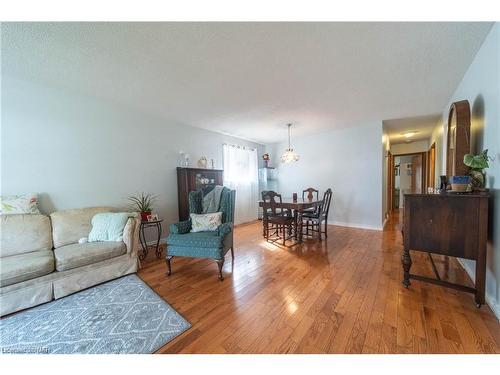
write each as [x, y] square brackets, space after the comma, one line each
[289, 155]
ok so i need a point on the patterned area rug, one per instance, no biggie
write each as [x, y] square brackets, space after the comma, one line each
[120, 316]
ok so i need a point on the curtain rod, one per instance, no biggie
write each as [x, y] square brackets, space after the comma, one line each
[239, 146]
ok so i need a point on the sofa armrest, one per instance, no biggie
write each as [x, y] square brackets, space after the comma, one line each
[225, 228]
[131, 235]
[181, 227]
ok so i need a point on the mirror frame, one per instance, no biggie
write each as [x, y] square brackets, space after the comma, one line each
[461, 110]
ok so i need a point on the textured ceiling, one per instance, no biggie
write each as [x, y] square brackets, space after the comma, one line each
[423, 125]
[250, 79]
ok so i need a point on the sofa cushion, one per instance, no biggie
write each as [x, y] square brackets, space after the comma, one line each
[197, 239]
[69, 226]
[79, 255]
[24, 233]
[17, 268]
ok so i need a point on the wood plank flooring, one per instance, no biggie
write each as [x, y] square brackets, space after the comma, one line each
[342, 295]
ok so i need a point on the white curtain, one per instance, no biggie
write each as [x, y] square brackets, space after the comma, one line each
[241, 174]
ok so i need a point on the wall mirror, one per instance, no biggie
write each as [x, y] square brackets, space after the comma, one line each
[458, 139]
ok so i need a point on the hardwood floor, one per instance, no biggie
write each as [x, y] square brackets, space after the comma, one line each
[343, 295]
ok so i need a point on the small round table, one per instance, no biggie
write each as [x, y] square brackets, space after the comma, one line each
[142, 238]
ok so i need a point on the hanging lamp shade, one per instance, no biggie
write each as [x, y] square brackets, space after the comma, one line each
[289, 155]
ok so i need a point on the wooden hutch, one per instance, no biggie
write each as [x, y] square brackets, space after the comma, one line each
[192, 179]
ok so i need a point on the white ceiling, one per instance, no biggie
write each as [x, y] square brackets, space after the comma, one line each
[423, 125]
[250, 79]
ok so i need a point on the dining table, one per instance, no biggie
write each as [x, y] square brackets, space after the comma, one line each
[297, 206]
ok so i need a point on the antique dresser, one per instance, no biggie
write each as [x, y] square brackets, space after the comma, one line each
[447, 224]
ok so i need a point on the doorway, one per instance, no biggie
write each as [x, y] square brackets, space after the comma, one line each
[408, 177]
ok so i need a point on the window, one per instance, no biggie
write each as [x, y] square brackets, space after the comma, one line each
[241, 174]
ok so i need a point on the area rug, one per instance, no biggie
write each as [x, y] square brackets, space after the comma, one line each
[120, 316]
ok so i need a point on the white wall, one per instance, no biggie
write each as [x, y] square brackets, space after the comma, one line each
[348, 162]
[481, 86]
[81, 151]
[409, 148]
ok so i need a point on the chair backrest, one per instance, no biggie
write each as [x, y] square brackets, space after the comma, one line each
[272, 200]
[226, 205]
[310, 193]
[325, 206]
[263, 193]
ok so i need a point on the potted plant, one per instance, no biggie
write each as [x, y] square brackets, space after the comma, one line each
[142, 203]
[477, 164]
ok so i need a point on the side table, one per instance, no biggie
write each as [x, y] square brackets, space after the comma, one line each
[150, 224]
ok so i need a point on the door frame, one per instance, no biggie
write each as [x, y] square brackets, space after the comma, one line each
[424, 171]
[431, 177]
[390, 183]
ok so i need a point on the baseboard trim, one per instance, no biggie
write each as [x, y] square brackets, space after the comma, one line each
[358, 226]
[494, 306]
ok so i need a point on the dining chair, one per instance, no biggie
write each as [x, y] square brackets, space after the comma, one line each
[276, 219]
[310, 193]
[314, 221]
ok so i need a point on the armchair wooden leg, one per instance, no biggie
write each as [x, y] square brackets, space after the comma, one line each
[169, 266]
[220, 263]
[232, 252]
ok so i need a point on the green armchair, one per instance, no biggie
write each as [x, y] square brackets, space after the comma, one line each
[214, 245]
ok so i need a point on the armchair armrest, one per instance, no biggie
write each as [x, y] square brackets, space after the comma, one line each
[225, 228]
[181, 227]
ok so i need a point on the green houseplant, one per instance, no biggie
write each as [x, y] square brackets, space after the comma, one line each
[477, 164]
[142, 203]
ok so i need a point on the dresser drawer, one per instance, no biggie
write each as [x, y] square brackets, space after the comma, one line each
[443, 225]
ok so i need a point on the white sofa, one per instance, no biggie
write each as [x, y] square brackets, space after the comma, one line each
[41, 259]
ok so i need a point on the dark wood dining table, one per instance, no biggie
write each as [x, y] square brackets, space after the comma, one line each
[297, 207]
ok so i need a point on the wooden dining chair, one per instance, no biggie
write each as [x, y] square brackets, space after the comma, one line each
[310, 193]
[317, 222]
[276, 219]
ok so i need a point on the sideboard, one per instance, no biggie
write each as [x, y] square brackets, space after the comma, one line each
[447, 224]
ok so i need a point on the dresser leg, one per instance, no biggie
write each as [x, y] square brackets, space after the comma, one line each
[406, 261]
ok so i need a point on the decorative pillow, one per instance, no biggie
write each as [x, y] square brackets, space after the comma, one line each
[205, 222]
[19, 204]
[108, 226]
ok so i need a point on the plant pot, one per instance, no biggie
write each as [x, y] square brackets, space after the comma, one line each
[144, 215]
[477, 179]
[460, 183]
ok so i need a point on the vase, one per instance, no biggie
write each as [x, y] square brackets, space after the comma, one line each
[202, 163]
[144, 215]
